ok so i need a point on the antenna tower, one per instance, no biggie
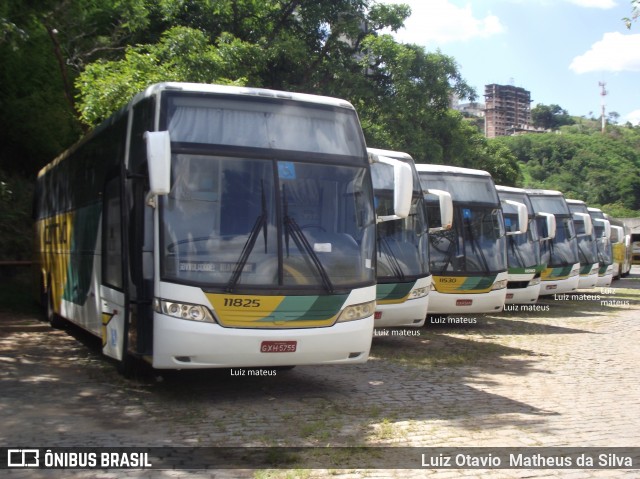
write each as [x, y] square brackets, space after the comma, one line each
[603, 93]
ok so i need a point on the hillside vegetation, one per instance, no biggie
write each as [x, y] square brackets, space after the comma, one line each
[600, 168]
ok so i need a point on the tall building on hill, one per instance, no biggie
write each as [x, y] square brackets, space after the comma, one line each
[507, 110]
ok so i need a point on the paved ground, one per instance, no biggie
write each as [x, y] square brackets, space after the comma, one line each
[566, 375]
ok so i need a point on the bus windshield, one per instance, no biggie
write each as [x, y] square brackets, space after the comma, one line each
[523, 250]
[403, 250]
[475, 243]
[252, 123]
[236, 223]
[603, 244]
[563, 249]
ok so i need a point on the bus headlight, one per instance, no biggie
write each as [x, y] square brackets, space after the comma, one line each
[419, 293]
[534, 281]
[192, 312]
[574, 272]
[357, 311]
[499, 284]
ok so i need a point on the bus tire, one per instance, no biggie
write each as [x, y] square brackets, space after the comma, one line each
[52, 317]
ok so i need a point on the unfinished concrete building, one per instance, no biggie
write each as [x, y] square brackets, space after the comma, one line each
[507, 110]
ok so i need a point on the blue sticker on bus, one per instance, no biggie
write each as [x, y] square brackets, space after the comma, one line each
[507, 222]
[466, 213]
[286, 170]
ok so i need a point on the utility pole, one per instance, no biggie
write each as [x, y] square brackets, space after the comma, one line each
[603, 93]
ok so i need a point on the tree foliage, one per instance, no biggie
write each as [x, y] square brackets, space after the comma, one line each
[550, 117]
[601, 169]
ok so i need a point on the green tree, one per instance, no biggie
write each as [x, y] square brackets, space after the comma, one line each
[635, 13]
[550, 117]
[598, 169]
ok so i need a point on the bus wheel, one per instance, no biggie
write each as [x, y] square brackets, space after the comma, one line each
[54, 320]
[126, 367]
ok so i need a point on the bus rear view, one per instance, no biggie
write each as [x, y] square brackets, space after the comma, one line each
[469, 261]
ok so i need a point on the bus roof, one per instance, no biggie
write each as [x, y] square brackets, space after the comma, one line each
[430, 168]
[239, 90]
[544, 192]
[151, 90]
[510, 189]
[575, 202]
[390, 153]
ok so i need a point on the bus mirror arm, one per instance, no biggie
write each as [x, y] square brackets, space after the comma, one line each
[523, 217]
[159, 164]
[446, 210]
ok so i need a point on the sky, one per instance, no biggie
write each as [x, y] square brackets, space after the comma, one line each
[559, 50]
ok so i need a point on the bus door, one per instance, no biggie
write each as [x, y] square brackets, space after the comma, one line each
[113, 283]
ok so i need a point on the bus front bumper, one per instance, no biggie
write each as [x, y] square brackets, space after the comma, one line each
[443, 303]
[183, 344]
[411, 313]
[526, 295]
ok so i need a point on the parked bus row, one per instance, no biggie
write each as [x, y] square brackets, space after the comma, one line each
[206, 226]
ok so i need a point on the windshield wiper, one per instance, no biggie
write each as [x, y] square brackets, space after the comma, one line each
[475, 245]
[516, 251]
[393, 261]
[292, 229]
[261, 223]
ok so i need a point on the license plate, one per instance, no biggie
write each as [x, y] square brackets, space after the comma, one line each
[278, 346]
[464, 302]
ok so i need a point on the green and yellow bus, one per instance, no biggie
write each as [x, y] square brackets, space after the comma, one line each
[207, 226]
[562, 273]
[602, 229]
[524, 245]
[587, 247]
[468, 261]
[404, 277]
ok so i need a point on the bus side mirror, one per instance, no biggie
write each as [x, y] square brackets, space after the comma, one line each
[617, 234]
[159, 163]
[550, 221]
[402, 187]
[605, 225]
[523, 217]
[446, 210]
[585, 219]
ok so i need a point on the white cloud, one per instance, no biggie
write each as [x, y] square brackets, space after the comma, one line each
[603, 4]
[614, 53]
[633, 117]
[440, 21]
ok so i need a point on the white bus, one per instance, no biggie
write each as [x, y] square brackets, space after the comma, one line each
[587, 247]
[404, 278]
[468, 261]
[621, 246]
[524, 248]
[602, 229]
[208, 226]
[563, 265]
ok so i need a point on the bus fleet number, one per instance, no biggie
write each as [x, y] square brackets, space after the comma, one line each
[241, 303]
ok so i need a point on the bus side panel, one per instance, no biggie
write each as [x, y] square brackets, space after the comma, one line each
[71, 265]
